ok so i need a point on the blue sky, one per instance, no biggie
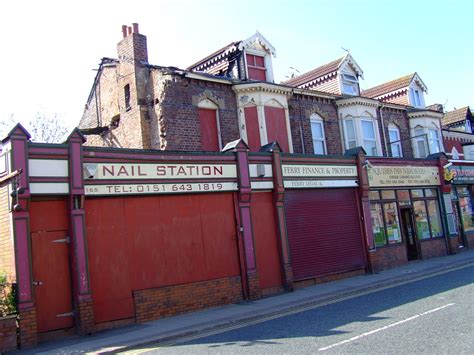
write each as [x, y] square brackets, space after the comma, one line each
[51, 47]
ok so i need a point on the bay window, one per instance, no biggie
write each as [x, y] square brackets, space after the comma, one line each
[361, 131]
[433, 136]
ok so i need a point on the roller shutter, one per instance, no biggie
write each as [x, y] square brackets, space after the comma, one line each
[323, 232]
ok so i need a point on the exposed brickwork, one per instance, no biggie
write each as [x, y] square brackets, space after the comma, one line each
[328, 278]
[431, 248]
[167, 301]
[288, 274]
[271, 291]
[8, 337]
[300, 110]
[470, 241]
[175, 120]
[398, 118]
[85, 319]
[28, 329]
[388, 257]
[254, 284]
[453, 245]
[7, 253]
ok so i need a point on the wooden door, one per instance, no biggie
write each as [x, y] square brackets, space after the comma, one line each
[52, 280]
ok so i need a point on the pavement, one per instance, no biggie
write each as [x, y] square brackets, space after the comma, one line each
[226, 317]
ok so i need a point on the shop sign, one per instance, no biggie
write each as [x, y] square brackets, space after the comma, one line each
[395, 176]
[131, 171]
[319, 171]
[144, 189]
[301, 176]
[462, 174]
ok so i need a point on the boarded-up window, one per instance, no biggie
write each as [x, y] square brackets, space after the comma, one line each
[277, 130]
[209, 133]
[253, 129]
[256, 67]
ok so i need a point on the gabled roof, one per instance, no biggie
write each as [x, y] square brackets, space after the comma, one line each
[323, 71]
[456, 116]
[394, 85]
[231, 48]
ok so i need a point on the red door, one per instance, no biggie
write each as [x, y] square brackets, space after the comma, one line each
[324, 233]
[51, 273]
[277, 130]
[209, 134]
[253, 128]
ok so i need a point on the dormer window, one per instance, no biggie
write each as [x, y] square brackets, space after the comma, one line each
[256, 67]
[350, 84]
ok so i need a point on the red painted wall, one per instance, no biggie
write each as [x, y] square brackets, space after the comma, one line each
[143, 242]
[209, 133]
[253, 130]
[265, 236]
[276, 127]
[449, 144]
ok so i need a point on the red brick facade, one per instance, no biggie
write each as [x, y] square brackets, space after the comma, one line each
[167, 301]
[28, 330]
[8, 338]
[7, 255]
[85, 317]
[434, 247]
[398, 118]
[388, 257]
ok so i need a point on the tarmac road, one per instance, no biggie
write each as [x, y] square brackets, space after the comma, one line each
[434, 315]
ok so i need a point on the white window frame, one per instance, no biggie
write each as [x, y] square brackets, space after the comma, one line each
[420, 137]
[431, 140]
[397, 143]
[358, 133]
[354, 125]
[364, 139]
[350, 80]
[314, 118]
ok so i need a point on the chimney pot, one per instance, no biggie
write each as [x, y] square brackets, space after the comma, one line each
[124, 31]
[135, 28]
[129, 30]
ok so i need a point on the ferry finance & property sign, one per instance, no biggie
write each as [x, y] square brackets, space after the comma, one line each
[319, 175]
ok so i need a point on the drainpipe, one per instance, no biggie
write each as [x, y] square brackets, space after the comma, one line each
[383, 130]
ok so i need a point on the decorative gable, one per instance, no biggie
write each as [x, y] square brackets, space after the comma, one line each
[257, 42]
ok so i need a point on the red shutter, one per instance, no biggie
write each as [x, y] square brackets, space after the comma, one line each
[276, 127]
[323, 232]
[208, 125]
[253, 129]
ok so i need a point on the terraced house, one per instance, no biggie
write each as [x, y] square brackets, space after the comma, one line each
[187, 188]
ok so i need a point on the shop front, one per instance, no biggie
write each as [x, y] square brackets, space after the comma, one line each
[462, 201]
[405, 214]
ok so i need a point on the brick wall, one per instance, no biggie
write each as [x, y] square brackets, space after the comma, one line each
[7, 253]
[8, 339]
[174, 118]
[28, 329]
[400, 119]
[328, 278]
[300, 110]
[85, 319]
[470, 241]
[388, 257]
[434, 247]
[167, 301]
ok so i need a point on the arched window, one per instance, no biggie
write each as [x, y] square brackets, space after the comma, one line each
[395, 143]
[208, 122]
[317, 132]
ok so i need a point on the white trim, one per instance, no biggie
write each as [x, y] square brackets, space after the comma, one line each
[288, 130]
[315, 118]
[261, 185]
[267, 170]
[394, 128]
[206, 78]
[311, 184]
[262, 124]
[48, 167]
[49, 188]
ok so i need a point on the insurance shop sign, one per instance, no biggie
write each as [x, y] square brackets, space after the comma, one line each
[400, 176]
[126, 179]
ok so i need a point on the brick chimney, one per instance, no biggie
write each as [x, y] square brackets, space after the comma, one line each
[132, 48]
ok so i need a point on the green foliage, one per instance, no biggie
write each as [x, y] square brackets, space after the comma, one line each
[8, 304]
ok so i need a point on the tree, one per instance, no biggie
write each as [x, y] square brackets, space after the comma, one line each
[43, 128]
